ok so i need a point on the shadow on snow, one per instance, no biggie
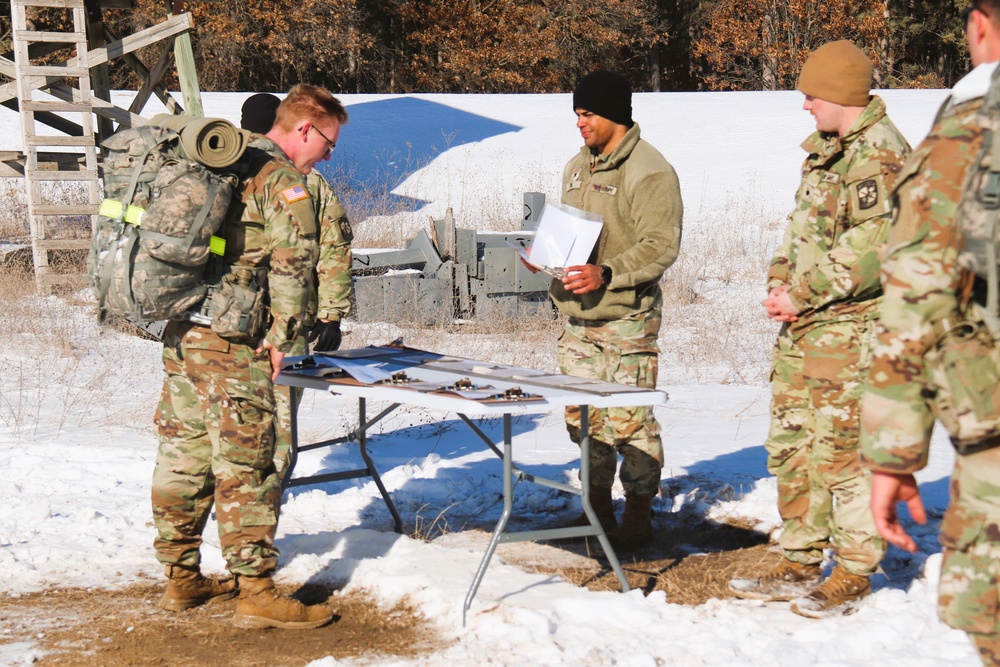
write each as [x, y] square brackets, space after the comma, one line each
[386, 141]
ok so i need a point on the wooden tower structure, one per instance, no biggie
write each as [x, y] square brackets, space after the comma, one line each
[66, 112]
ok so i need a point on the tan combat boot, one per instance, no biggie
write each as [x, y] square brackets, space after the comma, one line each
[187, 588]
[836, 597]
[600, 502]
[787, 580]
[636, 529]
[262, 606]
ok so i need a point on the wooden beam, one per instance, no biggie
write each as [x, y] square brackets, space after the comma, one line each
[187, 72]
[173, 26]
[100, 80]
[151, 80]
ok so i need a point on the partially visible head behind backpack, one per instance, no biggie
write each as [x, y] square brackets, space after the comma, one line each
[307, 102]
[258, 111]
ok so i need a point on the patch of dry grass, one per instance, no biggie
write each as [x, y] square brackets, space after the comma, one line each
[64, 370]
[690, 563]
[14, 226]
[714, 328]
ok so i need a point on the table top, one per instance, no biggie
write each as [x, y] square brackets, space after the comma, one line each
[417, 377]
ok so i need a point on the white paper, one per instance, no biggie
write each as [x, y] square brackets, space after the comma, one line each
[365, 372]
[565, 237]
[554, 271]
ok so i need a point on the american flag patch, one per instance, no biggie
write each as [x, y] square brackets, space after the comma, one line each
[294, 194]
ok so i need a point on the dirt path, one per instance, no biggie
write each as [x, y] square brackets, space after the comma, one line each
[98, 628]
[125, 627]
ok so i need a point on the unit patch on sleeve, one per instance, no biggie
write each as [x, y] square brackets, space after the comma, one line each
[345, 229]
[867, 194]
[294, 194]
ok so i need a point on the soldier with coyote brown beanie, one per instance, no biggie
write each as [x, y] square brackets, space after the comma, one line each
[823, 287]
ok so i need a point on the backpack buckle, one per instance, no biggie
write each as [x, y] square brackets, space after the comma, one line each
[989, 194]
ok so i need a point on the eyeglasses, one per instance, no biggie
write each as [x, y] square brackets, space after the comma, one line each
[333, 144]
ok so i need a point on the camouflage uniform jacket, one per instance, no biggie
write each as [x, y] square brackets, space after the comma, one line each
[920, 277]
[829, 256]
[636, 192]
[333, 270]
[271, 225]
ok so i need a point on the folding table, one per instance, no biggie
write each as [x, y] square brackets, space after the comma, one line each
[468, 388]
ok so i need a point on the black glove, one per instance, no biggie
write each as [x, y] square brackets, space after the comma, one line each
[326, 336]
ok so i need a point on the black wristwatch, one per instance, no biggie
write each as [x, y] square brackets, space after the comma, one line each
[606, 274]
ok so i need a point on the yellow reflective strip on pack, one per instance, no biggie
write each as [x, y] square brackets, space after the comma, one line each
[133, 214]
[111, 208]
[217, 245]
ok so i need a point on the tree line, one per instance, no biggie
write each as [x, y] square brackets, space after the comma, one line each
[536, 46]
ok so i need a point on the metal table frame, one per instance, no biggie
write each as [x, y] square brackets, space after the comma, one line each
[358, 436]
[512, 475]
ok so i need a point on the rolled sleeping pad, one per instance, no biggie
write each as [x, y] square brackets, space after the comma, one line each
[214, 142]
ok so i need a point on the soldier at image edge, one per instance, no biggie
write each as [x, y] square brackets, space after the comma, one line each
[823, 286]
[216, 417]
[330, 301]
[924, 284]
[614, 302]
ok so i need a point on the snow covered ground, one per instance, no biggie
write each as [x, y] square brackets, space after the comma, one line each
[77, 445]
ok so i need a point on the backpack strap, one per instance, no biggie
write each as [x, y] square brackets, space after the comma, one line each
[989, 197]
[151, 145]
[108, 269]
[197, 225]
[988, 194]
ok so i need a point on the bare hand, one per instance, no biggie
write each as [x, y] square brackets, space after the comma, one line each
[887, 490]
[531, 267]
[779, 305]
[276, 358]
[583, 278]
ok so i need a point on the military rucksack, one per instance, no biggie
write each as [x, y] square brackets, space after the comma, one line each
[167, 187]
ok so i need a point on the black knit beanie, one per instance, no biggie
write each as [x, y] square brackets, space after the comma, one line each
[606, 94]
[258, 112]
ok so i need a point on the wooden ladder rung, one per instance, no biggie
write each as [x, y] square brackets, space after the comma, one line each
[49, 279]
[62, 175]
[56, 105]
[56, 36]
[52, 70]
[57, 140]
[62, 244]
[65, 209]
[66, 4]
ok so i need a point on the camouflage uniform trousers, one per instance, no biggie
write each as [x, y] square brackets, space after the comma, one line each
[283, 413]
[812, 445]
[216, 429]
[969, 590]
[626, 352]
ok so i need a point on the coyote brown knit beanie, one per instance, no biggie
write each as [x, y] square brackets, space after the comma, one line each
[837, 72]
[607, 94]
